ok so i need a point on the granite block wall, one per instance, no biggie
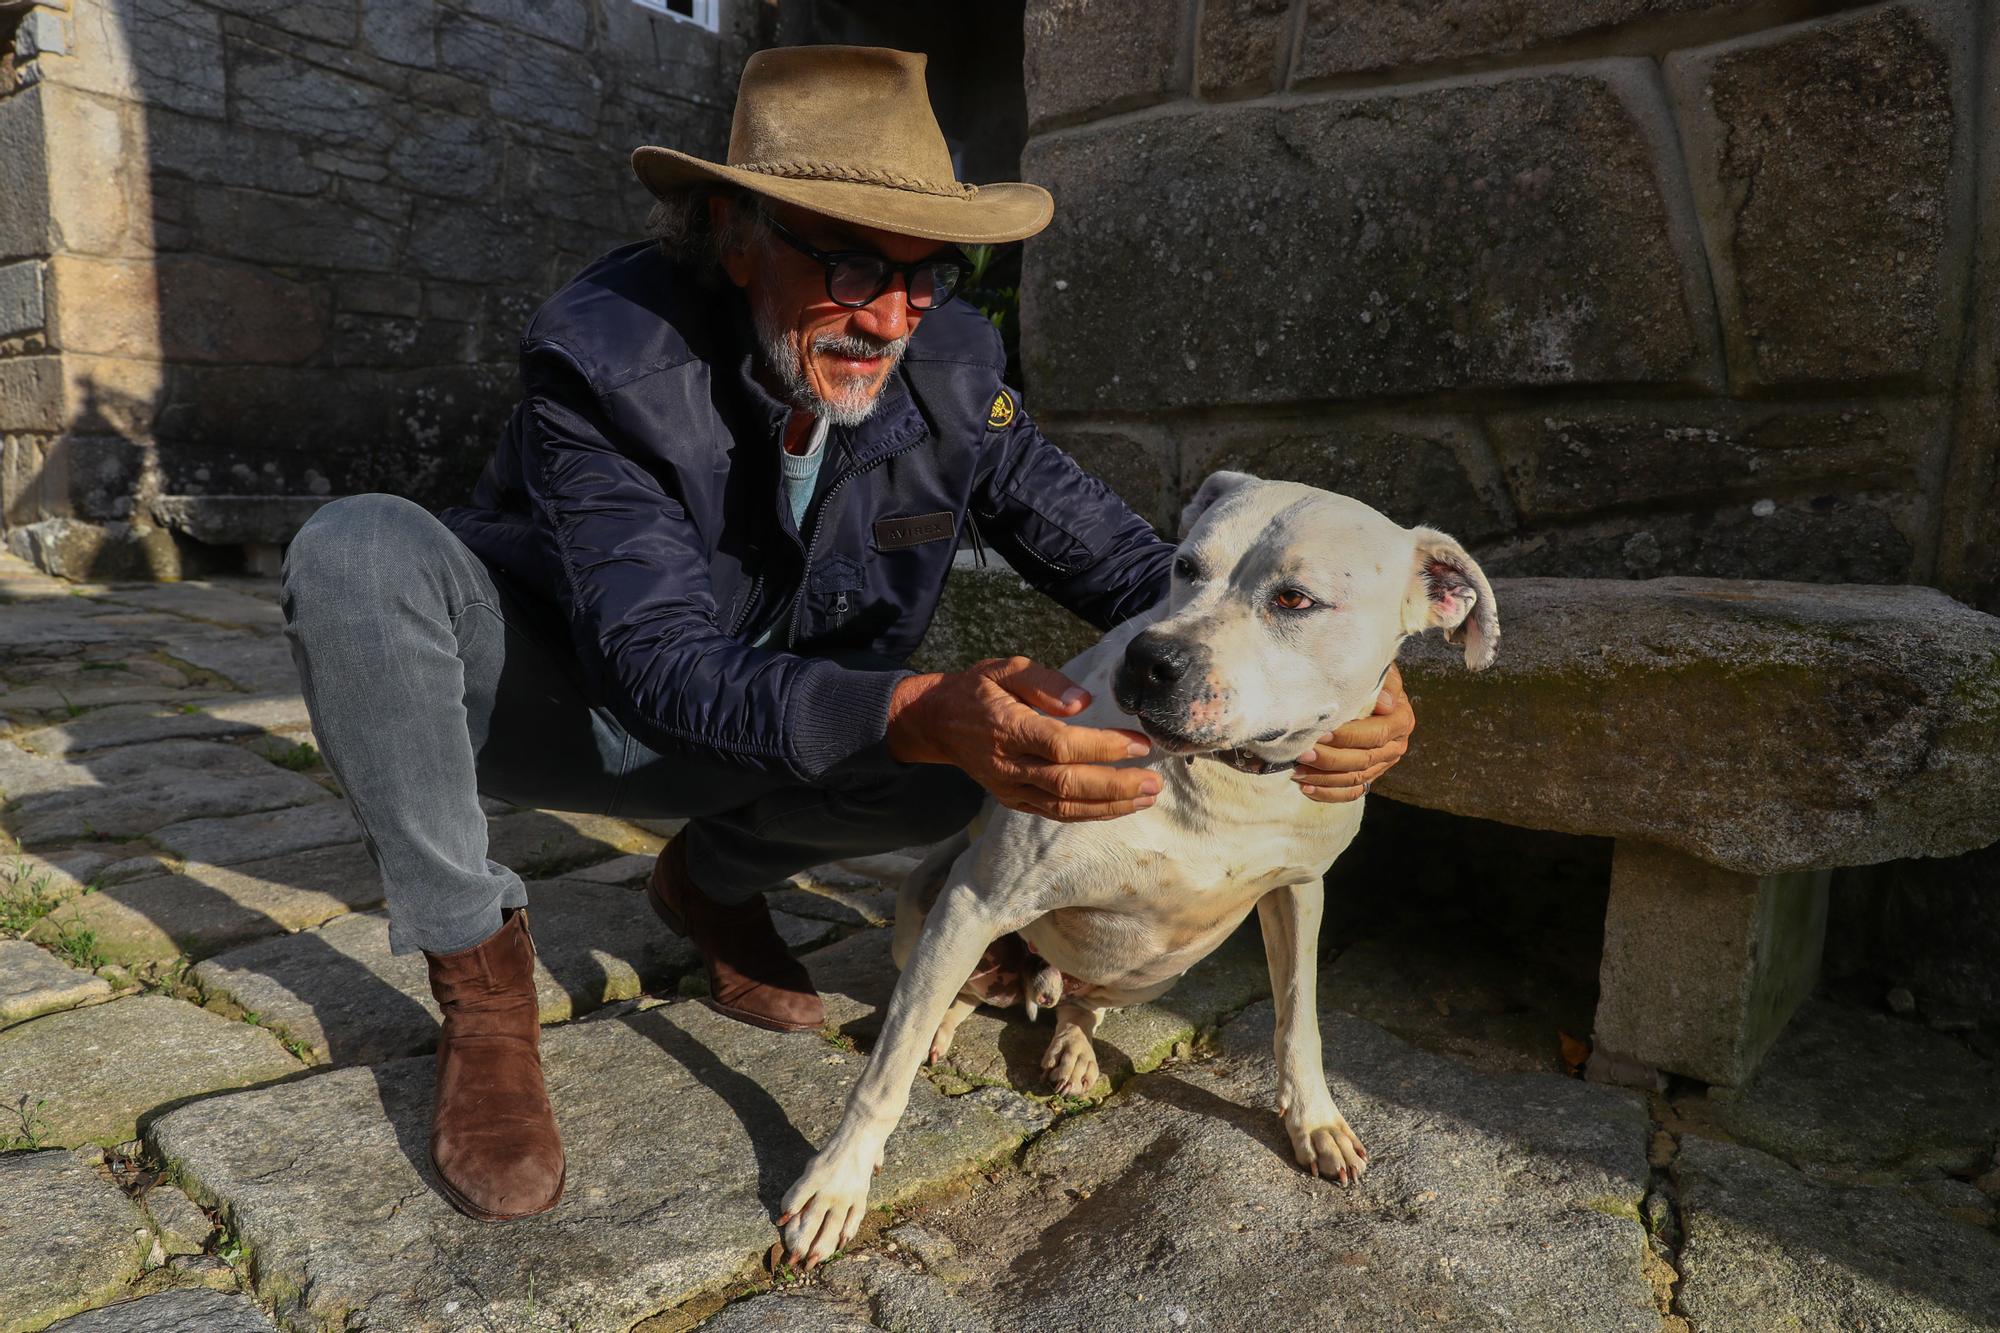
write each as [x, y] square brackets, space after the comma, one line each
[254, 254]
[1610, 288]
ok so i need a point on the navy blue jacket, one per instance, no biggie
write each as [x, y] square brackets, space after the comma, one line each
[637, 488]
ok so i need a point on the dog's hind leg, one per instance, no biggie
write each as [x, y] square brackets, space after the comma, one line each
[1321, 1138]
[960, 1010]
[1071, 1061]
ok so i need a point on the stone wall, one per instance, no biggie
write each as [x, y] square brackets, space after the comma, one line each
[1609, 288]
[253, 254]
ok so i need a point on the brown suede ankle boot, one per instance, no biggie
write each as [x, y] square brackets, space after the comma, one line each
[493, 1133]
[752, 976]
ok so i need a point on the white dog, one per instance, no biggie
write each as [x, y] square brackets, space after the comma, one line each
[1288, 606]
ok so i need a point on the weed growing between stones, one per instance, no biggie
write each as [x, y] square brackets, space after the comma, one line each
[34, 1129]
[299, 758]
[24, 897]
[76, 944]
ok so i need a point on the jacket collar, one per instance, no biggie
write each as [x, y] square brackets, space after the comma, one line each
[894, 422]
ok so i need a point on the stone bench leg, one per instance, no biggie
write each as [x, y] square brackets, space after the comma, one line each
[1702, 966]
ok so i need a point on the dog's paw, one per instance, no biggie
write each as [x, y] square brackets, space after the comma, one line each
[1070, 1061]
[1328, 1148]
[826, 1207]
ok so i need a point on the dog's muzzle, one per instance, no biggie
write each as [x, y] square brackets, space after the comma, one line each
[1157, 682]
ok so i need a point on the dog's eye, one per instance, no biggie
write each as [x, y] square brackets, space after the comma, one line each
[1291, 599]
[1185, 567]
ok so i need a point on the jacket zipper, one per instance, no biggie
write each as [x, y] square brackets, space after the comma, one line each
[818, 523]
[1063, 570]
[749, 605]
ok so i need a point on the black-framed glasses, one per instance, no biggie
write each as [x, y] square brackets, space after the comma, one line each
[856, 277]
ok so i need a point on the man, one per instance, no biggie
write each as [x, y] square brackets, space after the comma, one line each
[715, 527]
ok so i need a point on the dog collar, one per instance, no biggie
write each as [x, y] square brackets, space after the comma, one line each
[1244, 762]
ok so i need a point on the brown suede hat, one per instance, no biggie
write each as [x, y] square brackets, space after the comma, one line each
[848, 131]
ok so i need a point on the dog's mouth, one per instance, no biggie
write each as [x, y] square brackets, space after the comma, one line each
[1173, 742]
[1180, 743]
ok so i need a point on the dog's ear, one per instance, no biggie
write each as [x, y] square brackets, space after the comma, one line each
[1218, 485]
[1449, 591]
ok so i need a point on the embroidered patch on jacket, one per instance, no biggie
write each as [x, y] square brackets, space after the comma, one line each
[915, 530]
[1002, 411]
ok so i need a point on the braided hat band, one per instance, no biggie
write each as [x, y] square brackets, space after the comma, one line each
[837, 171]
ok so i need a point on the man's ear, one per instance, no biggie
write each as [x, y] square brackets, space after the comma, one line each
[1449, 591]
[1218, 485]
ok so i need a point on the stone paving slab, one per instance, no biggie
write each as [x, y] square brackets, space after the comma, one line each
[34, 981]
[136, 790]
[101, 1070]
[540, 844]
[208, 908]
[682, 1128]
[95, 689]
[536, 843]
[195, 599]
[339, 991]
[856, 976]
[58, 876]
[228, 839]
[1462, 998]
[261, 664]
[69, 1238]
[630, 871]
[840, 904]
[43, 628]
[1847, 1087]
[131, 724]
[800, 1312]
[174, 1312]
[242, 879]
[1770, 1248]
[1492, 1202]
[183, 1228]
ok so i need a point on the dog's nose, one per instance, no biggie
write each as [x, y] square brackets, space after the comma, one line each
[1156, 660]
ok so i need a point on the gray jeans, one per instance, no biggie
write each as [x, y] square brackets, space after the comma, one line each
[431, 683]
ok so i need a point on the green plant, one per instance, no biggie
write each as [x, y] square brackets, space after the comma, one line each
[299, 758]
[190, 708]
[993, 288]
[71, 708]
[34, 1129]
[76, 944]
[24, 898]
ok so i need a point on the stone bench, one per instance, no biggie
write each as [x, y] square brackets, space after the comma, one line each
[1738, 741]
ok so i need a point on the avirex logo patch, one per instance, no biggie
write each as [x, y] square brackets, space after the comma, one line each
[1002, 411]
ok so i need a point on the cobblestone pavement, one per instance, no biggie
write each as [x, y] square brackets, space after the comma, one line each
[214, 1092]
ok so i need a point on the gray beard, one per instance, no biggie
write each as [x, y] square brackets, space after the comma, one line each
[782, 359]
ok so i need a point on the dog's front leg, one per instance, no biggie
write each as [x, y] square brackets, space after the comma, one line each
[825, 1208]
[1321, 1139]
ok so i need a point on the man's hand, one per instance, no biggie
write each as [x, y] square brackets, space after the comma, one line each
[989, 720]
[1345, 763]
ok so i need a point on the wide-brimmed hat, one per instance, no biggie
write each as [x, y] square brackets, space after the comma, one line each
[848, 131]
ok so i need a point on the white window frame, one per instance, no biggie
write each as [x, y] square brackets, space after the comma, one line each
[707, 13]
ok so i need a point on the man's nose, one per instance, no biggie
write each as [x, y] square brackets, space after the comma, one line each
[888, 316]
